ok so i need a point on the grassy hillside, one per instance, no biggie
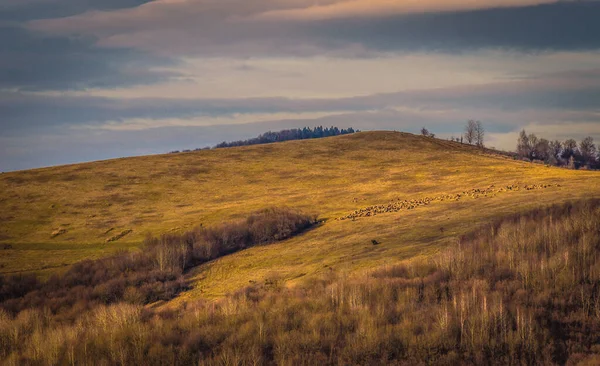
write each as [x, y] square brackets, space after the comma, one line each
[53, 217]
[520, 291]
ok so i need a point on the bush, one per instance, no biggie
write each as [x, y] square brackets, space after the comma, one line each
[180, 252]
[522, 290]
[152, 274]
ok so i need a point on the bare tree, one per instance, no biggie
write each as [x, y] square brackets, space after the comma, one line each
[569, 149]
[425, 132]
[588, 151]
[523, 146]
[556, 149]
[533, 142]
[470, 131]
[542, 150]
[479, 133]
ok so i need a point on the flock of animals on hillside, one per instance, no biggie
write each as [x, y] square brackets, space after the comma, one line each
[398, 204]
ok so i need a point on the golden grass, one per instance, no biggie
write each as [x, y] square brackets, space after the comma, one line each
[92, 202]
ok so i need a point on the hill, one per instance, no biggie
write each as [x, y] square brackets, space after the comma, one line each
[419, 193]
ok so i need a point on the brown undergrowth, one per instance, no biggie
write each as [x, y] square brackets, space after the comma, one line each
[523, 290]
[152, 274]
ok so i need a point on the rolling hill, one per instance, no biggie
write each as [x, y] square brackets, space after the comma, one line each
[409, 194]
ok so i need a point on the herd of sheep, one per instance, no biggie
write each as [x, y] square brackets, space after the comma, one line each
[398, 204]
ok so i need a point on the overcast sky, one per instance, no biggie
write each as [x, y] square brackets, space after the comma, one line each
[84, 80]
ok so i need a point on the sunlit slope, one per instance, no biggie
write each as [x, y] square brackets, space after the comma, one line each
[53, 217]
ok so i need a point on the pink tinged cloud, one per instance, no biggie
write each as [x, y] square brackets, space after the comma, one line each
[199, 14]
[164, 15]
[237, 27]
[362, 8]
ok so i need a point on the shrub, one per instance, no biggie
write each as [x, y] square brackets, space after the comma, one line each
[152, 274]
[522, 290]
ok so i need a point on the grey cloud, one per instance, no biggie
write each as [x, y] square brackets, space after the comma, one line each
[37, 129]
[130, 47]
[36, 61]
[25, 10]
[571, 25]
[30, 112]
[567, 91]
[32, 61]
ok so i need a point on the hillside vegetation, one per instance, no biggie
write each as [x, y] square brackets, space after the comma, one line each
[142, 277]
[54, 217]
[522, 290]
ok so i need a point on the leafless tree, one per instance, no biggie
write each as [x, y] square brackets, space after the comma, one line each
[470, 131]
[569, 149]
[542, 150]
[533, 140]
[479, 134]
[555, 150]
[588, 151]
[523, 146]
[425, 132]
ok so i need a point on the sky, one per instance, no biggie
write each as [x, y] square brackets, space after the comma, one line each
[84, 80]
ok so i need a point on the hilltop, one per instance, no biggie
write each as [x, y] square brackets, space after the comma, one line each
[54, 217]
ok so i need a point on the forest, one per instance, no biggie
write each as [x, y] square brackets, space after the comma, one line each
[287, 135]
[280, 136]
[568, 153]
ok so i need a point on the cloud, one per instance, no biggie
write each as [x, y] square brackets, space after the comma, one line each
[551, 27]
[140, 124]
[557, 94]
[23, 10]
[37, 62]
[362, 8]
[91, 79]
[235, 28]
[327, 77]
[169, 14]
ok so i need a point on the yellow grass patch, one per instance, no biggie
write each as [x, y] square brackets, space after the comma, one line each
[332, 177]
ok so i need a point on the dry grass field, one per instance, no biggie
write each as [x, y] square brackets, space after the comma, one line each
[53, 217]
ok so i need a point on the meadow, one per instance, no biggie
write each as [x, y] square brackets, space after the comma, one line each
[369, 248]
[55, 217]
[521, 290]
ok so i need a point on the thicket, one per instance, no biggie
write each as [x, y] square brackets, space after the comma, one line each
[287, 135]
[568, 153]
[149, 275]
[283, 135]
[523, 290]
